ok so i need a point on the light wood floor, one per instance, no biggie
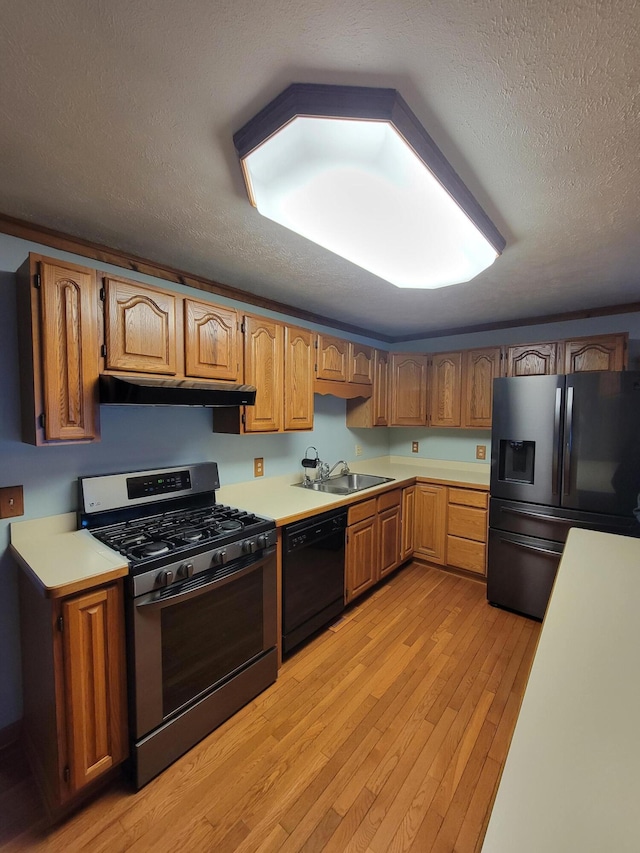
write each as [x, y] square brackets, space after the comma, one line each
[386, 733]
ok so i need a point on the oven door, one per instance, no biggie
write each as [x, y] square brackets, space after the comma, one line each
[187, 640]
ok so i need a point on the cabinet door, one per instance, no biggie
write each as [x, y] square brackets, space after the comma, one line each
[333, 354]
[299, 358]
[390, 539]
[408, 515]
[532, 360]
[140, 328]
[430, 521]
[69, 344]
[360, 364]
[480, 368]
[263, 362]
[94, 676]
[211, 341]
[445, 379]
[606, 352]
[381, 388]
[362, 566]
[408, 389]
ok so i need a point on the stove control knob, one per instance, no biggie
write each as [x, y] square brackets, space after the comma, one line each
[263, 540]
[220, 557]
[248, 546]
[185, 570]
[165, 578]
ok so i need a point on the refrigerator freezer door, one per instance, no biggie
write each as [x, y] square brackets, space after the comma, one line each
[521, 573]
[526, 444]
[601, 464]
[553, 523]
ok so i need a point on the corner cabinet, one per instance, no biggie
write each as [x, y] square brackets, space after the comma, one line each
[430, 533]
[59, 332]
[374, 410]
[75, 709]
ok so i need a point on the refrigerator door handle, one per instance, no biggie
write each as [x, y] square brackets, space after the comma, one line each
[555, 466]
[535, 548]
[568, 442]
[525, 513]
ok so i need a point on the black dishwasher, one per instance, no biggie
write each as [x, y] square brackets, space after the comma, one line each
[312, 575]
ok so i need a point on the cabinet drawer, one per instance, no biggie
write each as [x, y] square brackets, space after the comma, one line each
[467, 497]
[389, 499]
[468, 523]
[465, 554]
[362, 510]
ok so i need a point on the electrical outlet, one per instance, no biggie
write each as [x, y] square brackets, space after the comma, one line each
[481, 451]
[358, 450]
[11, 502]
[258, 466]
[414, 446]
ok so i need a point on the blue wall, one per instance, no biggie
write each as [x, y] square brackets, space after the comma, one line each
[143, 438]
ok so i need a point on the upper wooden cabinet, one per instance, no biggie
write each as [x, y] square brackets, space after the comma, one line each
[360, 364]
[479, 368]
[600, 352]
[333, 359]
[59, 351]
[212, 341]
[445, 379]
[140, 328]
[374, 410]
[532, 359]
[606, 352]
[263, 368]
[408, 389]
[279, 361]
[299, 360]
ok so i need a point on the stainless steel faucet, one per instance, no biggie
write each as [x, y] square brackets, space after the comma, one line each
[345, 469]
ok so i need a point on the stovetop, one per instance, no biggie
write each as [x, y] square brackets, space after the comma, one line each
[144, 541]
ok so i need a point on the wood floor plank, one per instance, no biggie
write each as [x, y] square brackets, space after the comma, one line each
[385, 735]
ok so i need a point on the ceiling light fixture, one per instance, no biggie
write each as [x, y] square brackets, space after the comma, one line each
[352, 169]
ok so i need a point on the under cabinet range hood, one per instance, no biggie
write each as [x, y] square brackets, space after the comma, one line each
[156, 391]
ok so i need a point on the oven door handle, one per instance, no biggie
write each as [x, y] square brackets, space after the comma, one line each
[151, 601]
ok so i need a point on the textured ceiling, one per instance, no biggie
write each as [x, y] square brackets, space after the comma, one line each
[116, 124]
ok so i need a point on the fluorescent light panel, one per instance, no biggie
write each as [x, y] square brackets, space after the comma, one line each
[356, 187]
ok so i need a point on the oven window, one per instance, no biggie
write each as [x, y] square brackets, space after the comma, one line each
[208, 637]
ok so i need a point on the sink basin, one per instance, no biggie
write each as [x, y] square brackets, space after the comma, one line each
[345, 484]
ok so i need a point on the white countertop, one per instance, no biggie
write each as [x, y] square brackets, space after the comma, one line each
[61, 559]
[571, 782]
[64, 560]
[277, 498]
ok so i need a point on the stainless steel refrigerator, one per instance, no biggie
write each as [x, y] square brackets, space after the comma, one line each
[565, 452]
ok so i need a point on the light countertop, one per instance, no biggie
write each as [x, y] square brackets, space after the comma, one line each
[277, 498]
[61, 559]
[64, 560]
[571, 781]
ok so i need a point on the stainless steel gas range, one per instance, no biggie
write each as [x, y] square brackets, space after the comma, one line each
[201, 603]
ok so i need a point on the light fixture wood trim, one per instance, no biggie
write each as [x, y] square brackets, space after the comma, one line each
[363, 103]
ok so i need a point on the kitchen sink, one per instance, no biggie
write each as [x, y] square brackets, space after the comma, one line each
[345, 484]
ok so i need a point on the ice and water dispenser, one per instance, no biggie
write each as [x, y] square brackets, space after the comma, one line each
[516, 461]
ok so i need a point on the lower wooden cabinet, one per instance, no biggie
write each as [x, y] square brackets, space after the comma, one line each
[467, 530]
[373, 541]
[408, 523]
[429, 522]
[74, 677]
[450, 526]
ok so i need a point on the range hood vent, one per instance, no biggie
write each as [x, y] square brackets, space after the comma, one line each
[155, 391]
